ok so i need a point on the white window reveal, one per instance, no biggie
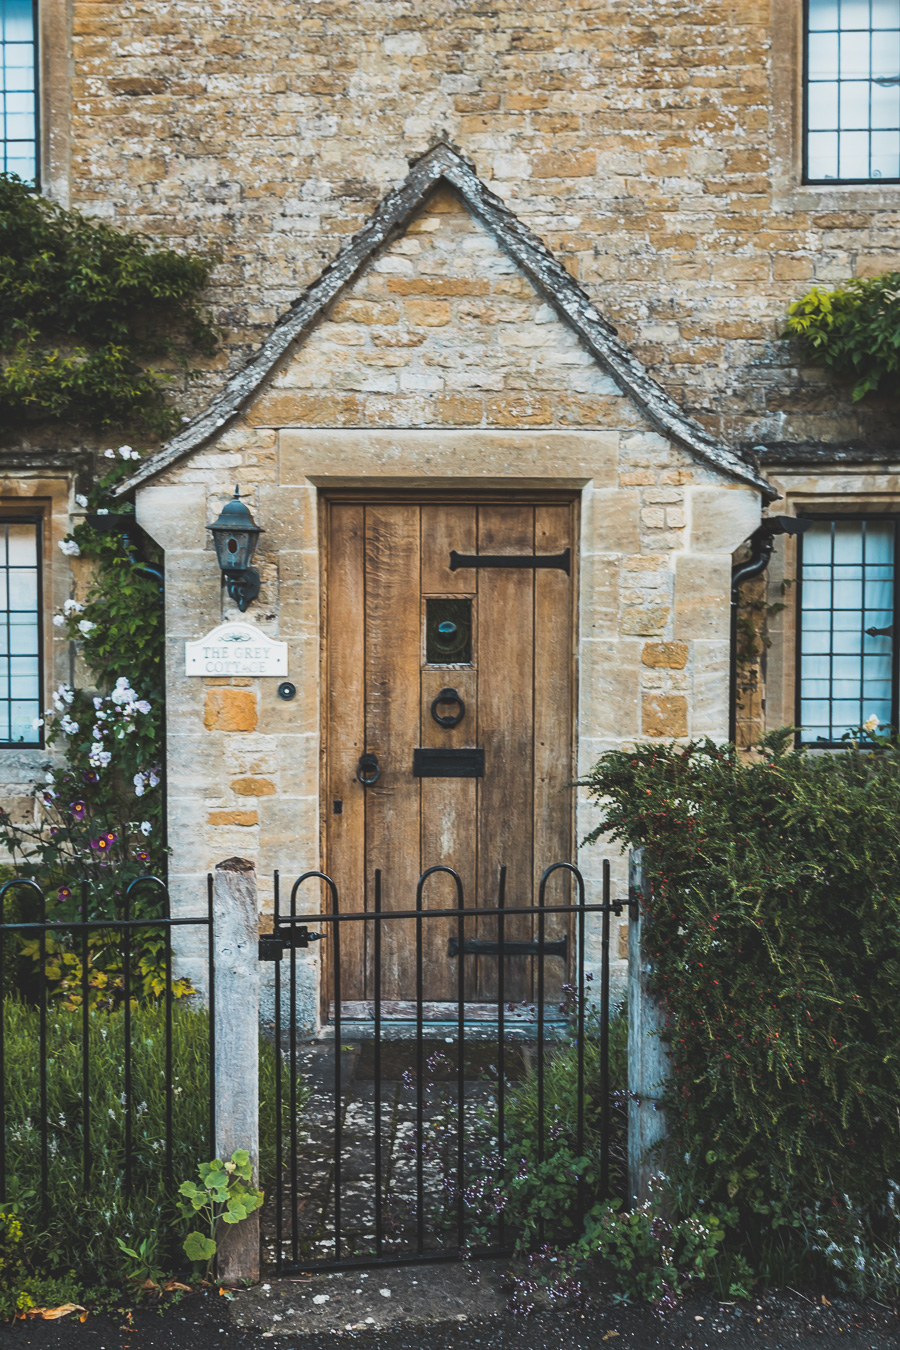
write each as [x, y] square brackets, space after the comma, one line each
[847, 646]
[852, 88]
[20, 631]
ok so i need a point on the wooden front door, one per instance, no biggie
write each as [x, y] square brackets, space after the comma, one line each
[403, 628]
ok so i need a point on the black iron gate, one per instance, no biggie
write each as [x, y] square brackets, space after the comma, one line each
[392, 1140]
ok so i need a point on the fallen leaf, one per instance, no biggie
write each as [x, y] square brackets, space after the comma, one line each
[84, 1316]
[608, 1335]
[51, 1314]
[826, 1301]
[149, 1284]
[176, 1284]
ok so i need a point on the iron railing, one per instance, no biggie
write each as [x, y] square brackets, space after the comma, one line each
[509, 1030]
[124, 934]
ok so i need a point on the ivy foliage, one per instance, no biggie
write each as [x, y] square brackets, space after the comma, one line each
[854, 331]
[773, 923]
[85, 310]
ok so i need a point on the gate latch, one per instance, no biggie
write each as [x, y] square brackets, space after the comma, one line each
[272, 946]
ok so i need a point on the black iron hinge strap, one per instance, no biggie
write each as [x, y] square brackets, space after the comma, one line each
[562, 561]
[476, 947]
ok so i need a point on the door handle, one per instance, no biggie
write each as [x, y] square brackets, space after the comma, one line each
[368, 770]
[448, 719]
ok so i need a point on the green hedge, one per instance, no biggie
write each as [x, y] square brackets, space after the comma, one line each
[80, 1227]
[774, 925]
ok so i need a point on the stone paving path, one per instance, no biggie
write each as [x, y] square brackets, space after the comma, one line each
[315, 1175]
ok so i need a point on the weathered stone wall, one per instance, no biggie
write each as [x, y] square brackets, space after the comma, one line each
[654, 145]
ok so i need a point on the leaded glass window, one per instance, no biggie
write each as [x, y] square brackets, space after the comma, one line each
[847, 601]
[18, 94]
[20, 631]
[852, 124]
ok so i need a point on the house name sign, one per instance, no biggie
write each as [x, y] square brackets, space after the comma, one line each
[235, 649]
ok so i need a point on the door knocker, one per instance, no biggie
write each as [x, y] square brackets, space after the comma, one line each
[448, 719]
[368, 770]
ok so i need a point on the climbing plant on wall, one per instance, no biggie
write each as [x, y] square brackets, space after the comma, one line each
[99, 811]
[854, 330]
[85, 310]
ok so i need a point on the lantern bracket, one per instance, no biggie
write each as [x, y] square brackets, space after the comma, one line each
[243, 586]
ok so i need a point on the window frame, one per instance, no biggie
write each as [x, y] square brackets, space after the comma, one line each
[38, 91]
[833, 517]
[804, 124]
[8, 517]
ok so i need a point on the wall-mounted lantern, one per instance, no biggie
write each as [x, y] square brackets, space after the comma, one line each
[235, 535]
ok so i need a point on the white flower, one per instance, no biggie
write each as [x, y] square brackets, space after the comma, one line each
[80, 499]
[139, 785]
[97, 734]
[98, 703]
[122, 693]
[125, 451]
[142, 705]
[871, 723]
[58, 620]
[38, 722]
[99, 758]
[154, 777]
[70, 548]
[86, 627]
[72, 607]
[135, 454]
[103, 511]
[68, 726]
[146, 827]
[109, 454]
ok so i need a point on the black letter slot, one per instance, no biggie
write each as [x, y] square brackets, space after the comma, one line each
[440, 763]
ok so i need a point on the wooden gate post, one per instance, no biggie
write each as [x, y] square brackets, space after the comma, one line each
[236, 921]
[648, 1058]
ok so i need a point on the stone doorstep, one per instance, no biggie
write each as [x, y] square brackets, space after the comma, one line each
[386, 1296]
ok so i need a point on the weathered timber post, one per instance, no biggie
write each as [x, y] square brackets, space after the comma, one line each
[236, 921]
[648, 1058]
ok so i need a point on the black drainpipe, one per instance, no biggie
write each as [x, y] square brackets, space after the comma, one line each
[762, 541]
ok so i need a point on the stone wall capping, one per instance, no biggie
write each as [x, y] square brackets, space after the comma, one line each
[444, 163]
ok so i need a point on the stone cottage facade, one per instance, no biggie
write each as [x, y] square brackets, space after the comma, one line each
[491, 283]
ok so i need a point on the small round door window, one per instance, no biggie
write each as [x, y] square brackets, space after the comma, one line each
[448, 631]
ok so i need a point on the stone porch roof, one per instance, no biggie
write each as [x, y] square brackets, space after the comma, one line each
[551, 280]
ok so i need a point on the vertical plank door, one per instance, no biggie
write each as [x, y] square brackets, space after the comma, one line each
[386, 560]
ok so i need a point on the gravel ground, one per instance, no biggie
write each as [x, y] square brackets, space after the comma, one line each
[799, 1321]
